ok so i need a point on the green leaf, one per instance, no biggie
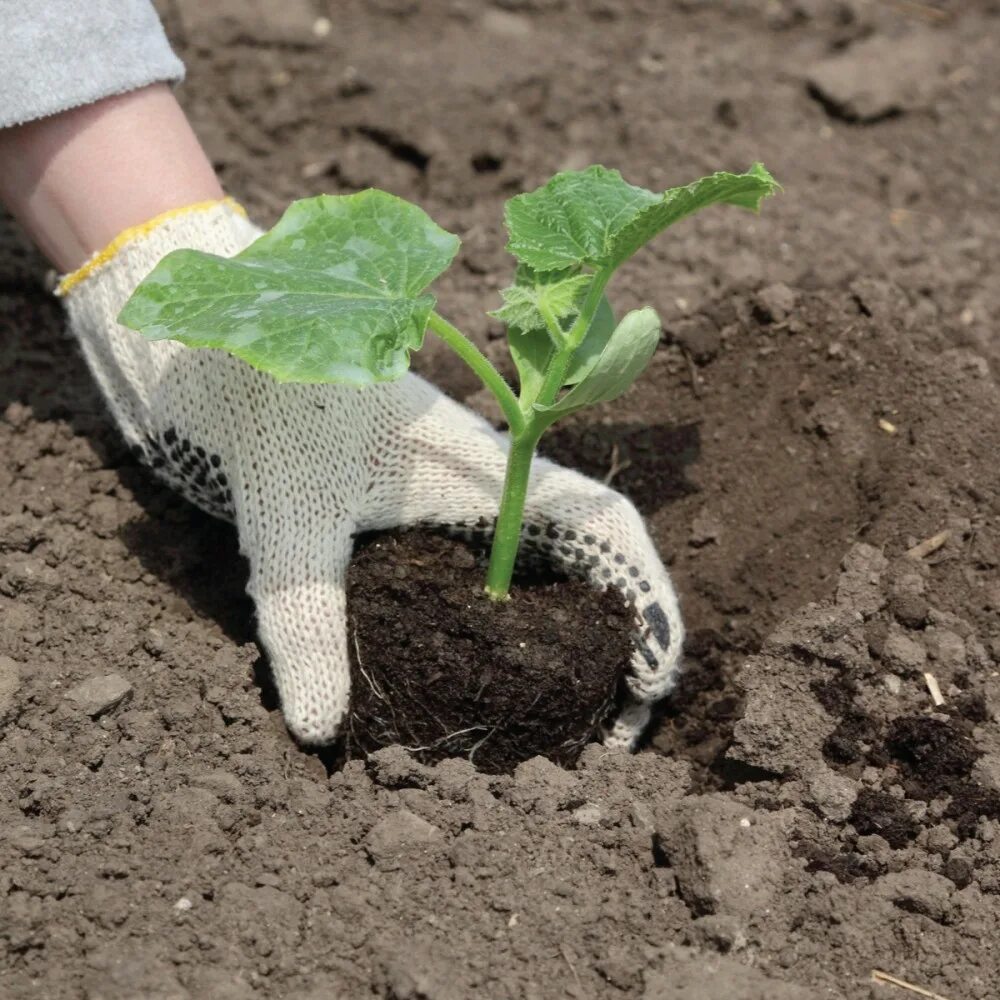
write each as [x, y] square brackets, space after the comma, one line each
[531, 344]
[531, 351]
[333, 293]
[623, 359]
[559, 293]
[597, 336]
[593, 217]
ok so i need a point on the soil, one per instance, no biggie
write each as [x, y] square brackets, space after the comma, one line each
[824, 401]
[440, 668]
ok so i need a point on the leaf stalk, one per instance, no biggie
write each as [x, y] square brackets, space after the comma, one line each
[482, 366]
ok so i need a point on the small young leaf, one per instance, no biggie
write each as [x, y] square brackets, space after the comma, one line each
[532, 351]
[531, 344]
[557, 292]
[623, 359]
[333, 293]
[594, 217]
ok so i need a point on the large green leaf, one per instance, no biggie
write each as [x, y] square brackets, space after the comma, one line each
[595, 218]
[626, 354]
[333, 293]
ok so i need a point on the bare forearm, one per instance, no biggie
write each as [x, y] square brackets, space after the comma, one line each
[77, 179]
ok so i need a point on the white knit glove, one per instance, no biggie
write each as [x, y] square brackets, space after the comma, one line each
[301, 469]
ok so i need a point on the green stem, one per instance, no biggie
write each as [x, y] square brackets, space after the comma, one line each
[481, 365]
[555, 330]
[507, 536]
[555, 377]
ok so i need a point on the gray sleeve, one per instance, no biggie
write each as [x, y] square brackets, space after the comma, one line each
[59, 54]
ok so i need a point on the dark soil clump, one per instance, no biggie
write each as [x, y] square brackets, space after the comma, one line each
[847, 743]
[878, 812]
[846, 866]
[696, 723]
[933, 754]
[969, 802]
[441, 669]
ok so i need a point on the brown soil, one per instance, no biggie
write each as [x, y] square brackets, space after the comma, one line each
[438, 667]
[825, 398]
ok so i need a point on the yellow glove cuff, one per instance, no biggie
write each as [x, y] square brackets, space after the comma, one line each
[133, 233]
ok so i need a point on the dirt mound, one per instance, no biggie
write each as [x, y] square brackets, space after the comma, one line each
[820, 798]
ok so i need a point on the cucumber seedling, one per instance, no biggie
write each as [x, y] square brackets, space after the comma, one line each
[337, 292]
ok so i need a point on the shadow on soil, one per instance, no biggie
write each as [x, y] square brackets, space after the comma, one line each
[648, 463]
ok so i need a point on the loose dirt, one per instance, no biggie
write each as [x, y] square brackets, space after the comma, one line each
[825, 400]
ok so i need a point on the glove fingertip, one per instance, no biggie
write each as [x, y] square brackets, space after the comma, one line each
[313, 724]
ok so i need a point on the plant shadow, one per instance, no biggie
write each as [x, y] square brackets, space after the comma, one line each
[646, 462]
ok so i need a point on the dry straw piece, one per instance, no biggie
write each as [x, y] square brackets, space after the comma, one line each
[929, 545]
[935, 689]
[884, 977]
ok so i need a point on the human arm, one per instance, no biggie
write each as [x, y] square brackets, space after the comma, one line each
[92, 140]
[77, 179]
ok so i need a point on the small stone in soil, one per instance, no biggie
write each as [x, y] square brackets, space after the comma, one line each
[99, 695]
[10, 681]
[398, 833]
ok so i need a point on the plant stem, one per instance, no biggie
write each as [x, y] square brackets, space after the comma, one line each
[481, 365]
[524, 436]
[507, 536]
[555, 377]
[555, 330]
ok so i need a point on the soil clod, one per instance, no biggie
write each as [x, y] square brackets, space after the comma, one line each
[444, 671]
[932, 753]
[878, 812]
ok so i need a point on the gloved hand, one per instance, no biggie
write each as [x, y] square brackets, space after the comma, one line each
[301, 469]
